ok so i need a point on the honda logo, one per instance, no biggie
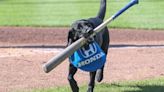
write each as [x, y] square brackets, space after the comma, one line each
[89, 50]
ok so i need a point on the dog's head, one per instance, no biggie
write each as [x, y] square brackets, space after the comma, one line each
[81, 27]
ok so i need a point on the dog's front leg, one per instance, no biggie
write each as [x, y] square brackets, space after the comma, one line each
[92, 82]
[72, 82]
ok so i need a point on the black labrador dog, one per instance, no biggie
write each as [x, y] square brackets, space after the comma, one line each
[83, 28]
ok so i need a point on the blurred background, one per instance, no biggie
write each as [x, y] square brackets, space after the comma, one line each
[58, 13]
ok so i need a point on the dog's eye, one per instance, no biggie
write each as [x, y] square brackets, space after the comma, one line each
[88, 24]
[85, 24]
[79, 26]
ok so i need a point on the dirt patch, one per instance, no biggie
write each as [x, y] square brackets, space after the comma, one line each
[134, 55]
[57, 36]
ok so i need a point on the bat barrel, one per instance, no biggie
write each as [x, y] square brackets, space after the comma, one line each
[55, 61]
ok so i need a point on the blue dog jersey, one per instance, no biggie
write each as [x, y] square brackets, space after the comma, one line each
[88, 58]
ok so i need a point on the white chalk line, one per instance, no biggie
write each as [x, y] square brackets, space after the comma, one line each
[135, 47]
[58, 50]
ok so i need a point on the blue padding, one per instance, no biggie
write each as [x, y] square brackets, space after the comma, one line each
[88, 58]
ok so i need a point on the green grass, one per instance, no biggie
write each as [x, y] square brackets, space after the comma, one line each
[150, 85]
[148, 14]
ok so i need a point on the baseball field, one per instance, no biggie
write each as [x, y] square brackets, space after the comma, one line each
[33, 31]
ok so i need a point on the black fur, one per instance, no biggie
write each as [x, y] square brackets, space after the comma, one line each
[84, 28]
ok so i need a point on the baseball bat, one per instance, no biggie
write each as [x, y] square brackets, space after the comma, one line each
[59, 58]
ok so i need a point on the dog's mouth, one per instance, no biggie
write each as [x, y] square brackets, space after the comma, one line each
[80, 35]
[82, 31]
[77, 35]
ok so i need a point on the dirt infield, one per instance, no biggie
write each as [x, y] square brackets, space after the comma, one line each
[133, 55]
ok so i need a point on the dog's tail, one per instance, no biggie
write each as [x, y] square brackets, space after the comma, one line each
[102, 10]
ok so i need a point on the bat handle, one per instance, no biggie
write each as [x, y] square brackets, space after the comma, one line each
[131, 3]
[101, 26]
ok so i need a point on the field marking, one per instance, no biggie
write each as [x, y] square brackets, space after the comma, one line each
[135, 47]
[58, 50]
[49, 50]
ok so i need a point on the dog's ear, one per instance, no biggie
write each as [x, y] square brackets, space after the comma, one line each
[69, 37]
[70, 33]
